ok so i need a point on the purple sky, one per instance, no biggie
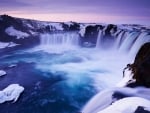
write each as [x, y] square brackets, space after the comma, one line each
[108, 11]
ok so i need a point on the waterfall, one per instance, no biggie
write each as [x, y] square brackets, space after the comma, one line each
[143, 38]
[118, 40]
[60, 41]
[99, 39]
[126, 41]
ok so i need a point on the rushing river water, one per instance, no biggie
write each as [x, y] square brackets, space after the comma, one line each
[59, 76]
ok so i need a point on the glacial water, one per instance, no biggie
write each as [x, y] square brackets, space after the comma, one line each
[59, 76]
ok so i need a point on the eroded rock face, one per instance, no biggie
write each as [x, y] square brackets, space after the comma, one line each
[141, 66]
[11, 93]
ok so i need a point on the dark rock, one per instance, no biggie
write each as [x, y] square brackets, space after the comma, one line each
[91, 33]
[140, 109]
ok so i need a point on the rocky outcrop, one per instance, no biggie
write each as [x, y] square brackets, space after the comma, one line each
[88, 32]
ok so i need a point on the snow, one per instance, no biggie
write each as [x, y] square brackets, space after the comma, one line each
[11, 93]
[82, 30]
[103, 100]
[127, 77]
[68, 23]
[7, 44]
[11, 31]
[3, 45]
[12, 65]
[33, 33]
[58, 26]
[2, 73]
[126, 105]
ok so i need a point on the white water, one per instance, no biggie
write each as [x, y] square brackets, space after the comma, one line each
[59, 42]
[126, 42]
[104, 67]
[95, 63]
[99, 39]
[127, 45]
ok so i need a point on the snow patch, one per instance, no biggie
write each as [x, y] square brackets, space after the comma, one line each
[2, 73]
[3, 45]
[33, 33]
[127, 77]
[82, 30]
[127, 105]
[11, 93]
[58, 26]
[102, 102]
[68, 23]
[11, 31]
[7, 44]
[12, 65]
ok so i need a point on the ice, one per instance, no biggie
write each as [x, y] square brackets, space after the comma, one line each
[13, 32]
[11, 93]
[2, 73]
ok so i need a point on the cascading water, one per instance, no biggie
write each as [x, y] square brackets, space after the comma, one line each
[127, 44]
[143, 38]
[99, 39]
[60, 41]
[126, 41]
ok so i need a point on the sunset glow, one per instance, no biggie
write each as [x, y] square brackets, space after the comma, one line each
[97, 11]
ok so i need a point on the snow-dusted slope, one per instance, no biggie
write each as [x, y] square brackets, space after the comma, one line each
[13, 32]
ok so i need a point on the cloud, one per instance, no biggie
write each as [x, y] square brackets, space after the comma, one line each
[114, 8]
[12, 3]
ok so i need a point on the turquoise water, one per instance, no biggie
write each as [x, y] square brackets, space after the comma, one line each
[61, 82]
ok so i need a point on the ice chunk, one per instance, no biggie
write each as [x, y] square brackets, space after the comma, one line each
[11, 93]
[13, 32]
[2, 73]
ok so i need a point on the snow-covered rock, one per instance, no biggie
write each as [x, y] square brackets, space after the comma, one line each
[13, 32]
[57, 26]
[68, 23]
[12, 65]
[7, 44]
[11, 93]
[3, 45]
[128, 76]
[2, 73]
[104, 99]
[82, 30]
[127, 105]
